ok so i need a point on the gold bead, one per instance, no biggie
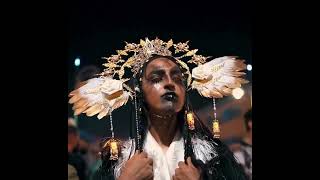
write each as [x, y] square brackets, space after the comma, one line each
[216, 129]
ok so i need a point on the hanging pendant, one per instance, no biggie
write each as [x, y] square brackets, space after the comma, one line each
[113, 146]
[190, 121]
[216, 128]
[215, 123]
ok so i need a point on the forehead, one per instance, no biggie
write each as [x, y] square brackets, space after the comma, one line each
[160, 63]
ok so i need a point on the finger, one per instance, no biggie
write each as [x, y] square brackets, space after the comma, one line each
[150, 161]
[177, 171]
[189, 162]
[137, 152]
[150, 177]
[144, 154]
[149, 173]
[181, 164]
[173, 177]
[150, 169]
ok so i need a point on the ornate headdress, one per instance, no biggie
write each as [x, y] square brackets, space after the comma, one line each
[213, 79]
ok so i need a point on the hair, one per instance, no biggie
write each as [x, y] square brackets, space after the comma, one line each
[182, 123]
[248, 118]
[224, 166]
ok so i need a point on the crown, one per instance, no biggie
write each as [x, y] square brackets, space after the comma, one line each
[134, 56]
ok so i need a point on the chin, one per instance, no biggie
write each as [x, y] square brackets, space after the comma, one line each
[168, 110]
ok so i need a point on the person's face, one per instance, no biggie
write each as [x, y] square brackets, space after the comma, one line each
[163, 88]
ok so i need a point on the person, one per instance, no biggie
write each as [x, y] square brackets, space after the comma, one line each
[244, 152]
[72, 173]
[74, 157]
[93, 159]
[170, 141]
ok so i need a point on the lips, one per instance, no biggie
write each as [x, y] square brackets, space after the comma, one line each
[170, 96]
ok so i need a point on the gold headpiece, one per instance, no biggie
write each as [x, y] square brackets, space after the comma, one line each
[116, 64]
[213, 79]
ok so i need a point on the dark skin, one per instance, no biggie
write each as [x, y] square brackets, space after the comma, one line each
[164, 91]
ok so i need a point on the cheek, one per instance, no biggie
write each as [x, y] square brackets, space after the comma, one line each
[157, 87]
[151, 93]
[181, 91]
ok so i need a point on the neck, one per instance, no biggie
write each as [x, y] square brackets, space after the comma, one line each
[163, 128]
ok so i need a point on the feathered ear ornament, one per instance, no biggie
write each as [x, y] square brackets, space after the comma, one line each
[216, 79]
[101, 96]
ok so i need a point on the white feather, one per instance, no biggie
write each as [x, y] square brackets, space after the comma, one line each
[203, 150]
[218, 77]
[127, 151]
[99, 96]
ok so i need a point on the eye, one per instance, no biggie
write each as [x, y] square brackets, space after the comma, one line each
[155, 79]
[177, 78]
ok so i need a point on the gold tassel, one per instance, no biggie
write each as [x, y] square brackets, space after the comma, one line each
[215, 123]
[114, 150]
[190, 120]
[216, 128]
[113, 146]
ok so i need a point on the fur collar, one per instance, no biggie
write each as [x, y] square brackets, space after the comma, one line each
[164, 164]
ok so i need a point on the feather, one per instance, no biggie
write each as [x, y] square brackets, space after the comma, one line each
[127, 151]
[80, 110]
[99, 96]
[119, 101]
[103, 113]
[203, 150]
[74, 99]
[94, 110]
[80, 103]
[218, 77]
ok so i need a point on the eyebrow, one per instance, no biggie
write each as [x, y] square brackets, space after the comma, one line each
[158, 71]
[161, 71]
[175, 70]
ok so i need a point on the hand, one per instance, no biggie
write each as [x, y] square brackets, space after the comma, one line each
[186, 171]
[139, 167]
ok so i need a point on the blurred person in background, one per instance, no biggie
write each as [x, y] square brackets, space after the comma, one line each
[75, 159]
[72, 173]
[244, 151]
[93, 158]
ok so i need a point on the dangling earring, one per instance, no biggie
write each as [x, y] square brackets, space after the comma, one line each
[189, 114]
[190, 120]
[215, 123]
[137, 120]
[112, 145]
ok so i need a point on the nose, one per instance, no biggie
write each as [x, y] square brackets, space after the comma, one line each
[169, 85]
